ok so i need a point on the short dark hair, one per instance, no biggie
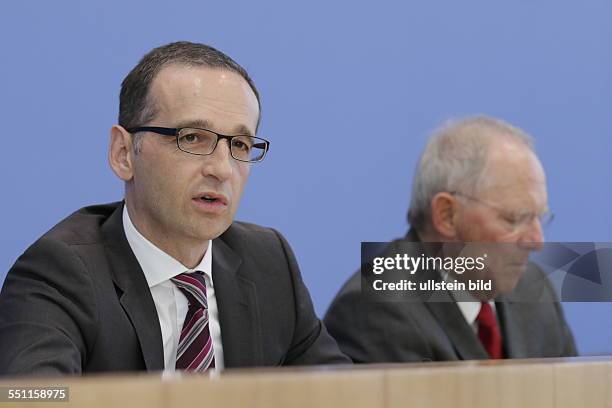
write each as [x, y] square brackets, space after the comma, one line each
[135, 105]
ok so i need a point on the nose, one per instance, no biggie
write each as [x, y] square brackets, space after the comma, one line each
[532, 237]
[219, 164]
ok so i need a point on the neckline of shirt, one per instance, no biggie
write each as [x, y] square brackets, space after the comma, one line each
[156, 264]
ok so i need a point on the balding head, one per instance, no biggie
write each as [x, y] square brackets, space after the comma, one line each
[455, 159]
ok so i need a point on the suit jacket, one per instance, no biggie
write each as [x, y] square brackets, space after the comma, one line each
[418, 330]
[77, 301]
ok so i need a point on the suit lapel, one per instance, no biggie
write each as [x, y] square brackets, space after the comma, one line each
[515, 343]
[135, 296]
[448, 315]
[461, 335]
[238, 309]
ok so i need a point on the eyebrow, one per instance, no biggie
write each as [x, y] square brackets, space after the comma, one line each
[203, 123]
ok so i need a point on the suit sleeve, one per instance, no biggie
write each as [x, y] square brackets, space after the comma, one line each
[344, 320]
[311, 343]
[47, 312]
[368, 331]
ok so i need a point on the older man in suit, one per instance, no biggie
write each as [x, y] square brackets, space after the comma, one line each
[478, 181]
[165, 280]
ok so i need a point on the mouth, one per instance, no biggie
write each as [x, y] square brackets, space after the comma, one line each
[211, 201]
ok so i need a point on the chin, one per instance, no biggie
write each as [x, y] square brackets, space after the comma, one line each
[505, 286]
[211, 230]
[517, 271]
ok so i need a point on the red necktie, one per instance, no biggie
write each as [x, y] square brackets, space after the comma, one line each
[488, 331]
[195, 349]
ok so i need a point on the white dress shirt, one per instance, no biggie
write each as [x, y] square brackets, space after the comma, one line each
[469, 308]
[171, 304]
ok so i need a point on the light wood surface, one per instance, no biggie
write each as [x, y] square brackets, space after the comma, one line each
[542, 383]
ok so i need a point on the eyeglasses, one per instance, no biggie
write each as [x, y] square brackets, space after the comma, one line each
[514, 221]
[203, 142]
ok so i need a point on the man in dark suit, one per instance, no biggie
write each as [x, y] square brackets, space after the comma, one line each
[166, 280]
[478, 185]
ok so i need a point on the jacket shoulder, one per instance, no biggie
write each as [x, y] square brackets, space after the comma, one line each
[83, 226]
[245, 234]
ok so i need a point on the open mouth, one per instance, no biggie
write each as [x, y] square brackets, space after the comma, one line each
[212, 198]
[209, 199]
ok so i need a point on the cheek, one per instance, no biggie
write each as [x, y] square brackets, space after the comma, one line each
[474, 228]
[241, 175]
[170, 183]
[486, 229]
[146, 181]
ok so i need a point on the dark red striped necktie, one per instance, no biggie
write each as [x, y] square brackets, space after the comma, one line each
[488, 331]
[195, 349]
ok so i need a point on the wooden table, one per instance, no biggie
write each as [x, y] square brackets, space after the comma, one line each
[542, 383]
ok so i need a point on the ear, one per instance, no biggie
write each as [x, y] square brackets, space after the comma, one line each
[444, 211]
[120, 153]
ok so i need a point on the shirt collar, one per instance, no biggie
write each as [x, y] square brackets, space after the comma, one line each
[157, 265]
[469, 308]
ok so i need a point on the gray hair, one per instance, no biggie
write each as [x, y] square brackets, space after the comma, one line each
[455, 159]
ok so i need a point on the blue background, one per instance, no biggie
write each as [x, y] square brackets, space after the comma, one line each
[365, 82]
